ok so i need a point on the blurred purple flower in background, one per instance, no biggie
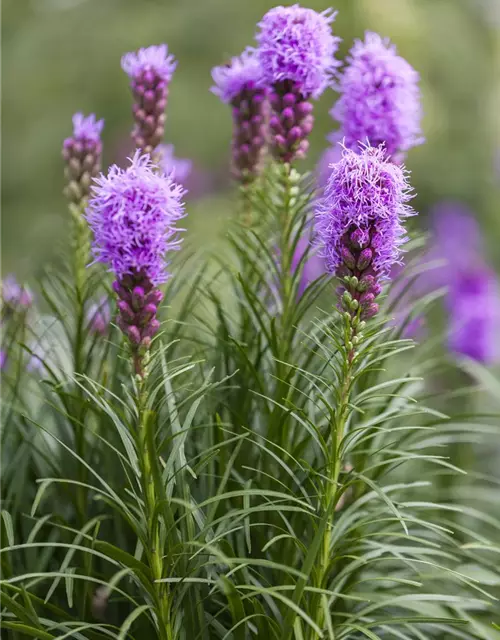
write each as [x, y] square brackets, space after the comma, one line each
[179, 168]
[150, 71]
[15, 297]
[473, 297]
[82, 154]
[296, 51]
[3, 359]
[36, 358]
[359, 222]
[98, 316]
[380, 98]
[241, 84]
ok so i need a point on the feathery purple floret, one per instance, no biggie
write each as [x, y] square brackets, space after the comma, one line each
[150, 71]
[133, 213]
[178, 168]
[359, 222]
[296, 45]
[296, 52]
[365, 194]
[82, 154]
[154, 59]
[87, 128]
[380, 98]
[241, 84]
[241, 73]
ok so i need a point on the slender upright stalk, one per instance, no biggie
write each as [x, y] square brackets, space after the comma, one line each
[155, 548]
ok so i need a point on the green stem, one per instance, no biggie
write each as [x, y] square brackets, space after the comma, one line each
[155, 547]
[331, 493]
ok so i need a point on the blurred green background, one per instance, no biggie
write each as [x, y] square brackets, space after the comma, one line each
[62, 56]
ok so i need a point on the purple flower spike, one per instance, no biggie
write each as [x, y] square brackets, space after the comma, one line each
[241, 84]
[150, 71]
[380, 98]
[15, 297]
[82, 154]
[296, 52]
[178, 168]
[99, 316]
[358, 222]
[133, 215]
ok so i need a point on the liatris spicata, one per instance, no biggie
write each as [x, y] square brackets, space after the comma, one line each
[358, 222]
[240, 83]
[15, 297]
[98, 316]
[473, 297]
[296, 52]
[133, 213]
[178, 168]
[82, 154]
[380, 98]
[150, 71]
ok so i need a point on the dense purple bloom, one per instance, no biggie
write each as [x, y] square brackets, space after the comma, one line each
[178, 168]
[82, 154]
[473, 297]
[240, 73]
[133, 214]
[359, 221]
[15, 297]
[98, 316]
[241, 84]
[380, 98]
[296, 51]
[296, 45]
[150, 71]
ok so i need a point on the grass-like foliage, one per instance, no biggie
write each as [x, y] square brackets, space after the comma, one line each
[272, 464]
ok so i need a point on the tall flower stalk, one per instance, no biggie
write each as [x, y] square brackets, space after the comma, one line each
[360, 231]
[82, 156]
[133, 214]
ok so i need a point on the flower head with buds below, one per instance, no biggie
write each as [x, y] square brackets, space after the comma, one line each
[296, 52]
[133, 214]
[150, 71]
[359, 224]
